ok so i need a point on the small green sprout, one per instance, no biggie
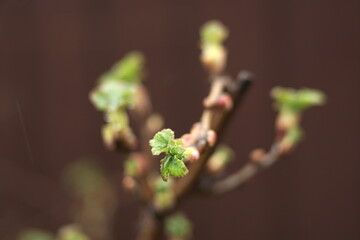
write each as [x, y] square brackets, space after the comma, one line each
[178, 226]
[291, 103]
[131, 167]
[288, 99]
[220, 158]
[116, 91]
[173, 163]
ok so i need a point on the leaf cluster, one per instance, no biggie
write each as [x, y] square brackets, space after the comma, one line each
[289, 99]
[116, 91]
[117, 87]
[173, 163]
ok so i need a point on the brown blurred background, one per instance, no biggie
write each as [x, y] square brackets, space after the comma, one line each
[53, 51]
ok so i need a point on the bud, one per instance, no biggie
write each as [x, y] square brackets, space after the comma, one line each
[224, 101]
[257, 155]
[178, 227]
[211, 137]
[292, 137]
[192, 154]
[219, 160]
[154, 123]
[128, 183]
[287, 120]
[213, 57]
[187, 139]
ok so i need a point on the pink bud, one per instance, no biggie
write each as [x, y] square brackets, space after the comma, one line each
[207, 102]
[225, 101]
[128, 183]
[211, 137]
[192, 154]
[257, 155]
[187, 139]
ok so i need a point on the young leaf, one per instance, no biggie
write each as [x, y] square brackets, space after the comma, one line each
[129, 69]
[171, 166]
[161, 141]
[110, 95]
[288, 99]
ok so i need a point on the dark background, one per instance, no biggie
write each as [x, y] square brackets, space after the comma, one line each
[53, 51]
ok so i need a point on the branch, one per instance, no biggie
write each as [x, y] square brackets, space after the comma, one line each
[215, 119]
[248, 171]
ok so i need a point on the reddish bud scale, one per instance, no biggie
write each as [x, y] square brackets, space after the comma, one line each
[196, 129]
[286, 121]
[211, 137]
[257, 155]
[128, 183]
[187, 139]
[224, 101]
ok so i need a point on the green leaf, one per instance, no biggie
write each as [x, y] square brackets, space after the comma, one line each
[129, 68]
[35, 234]
[178, 226]
[310, 97]
[110, 96]
[288, 99]
[176, 149]
[213, 32]
[171, 166]
[161, 141]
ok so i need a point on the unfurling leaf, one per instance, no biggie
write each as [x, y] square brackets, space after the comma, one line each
[173, 163]
[111, 95]
[129, 69]
[288, 99]
[161, 141]
[172, 166]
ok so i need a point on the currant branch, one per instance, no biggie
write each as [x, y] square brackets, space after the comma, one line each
[291, 104]
[196, 154]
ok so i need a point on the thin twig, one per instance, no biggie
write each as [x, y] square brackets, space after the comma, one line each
[244, 174]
